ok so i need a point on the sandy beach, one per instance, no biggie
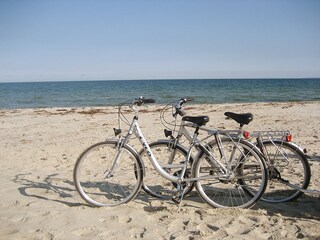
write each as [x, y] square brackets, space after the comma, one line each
[39, 147]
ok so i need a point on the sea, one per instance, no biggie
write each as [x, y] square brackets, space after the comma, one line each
[110, 93]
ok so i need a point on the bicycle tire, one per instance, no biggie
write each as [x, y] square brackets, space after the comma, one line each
[91, 174]
[246, 184]
[153, 183]
[288, 165]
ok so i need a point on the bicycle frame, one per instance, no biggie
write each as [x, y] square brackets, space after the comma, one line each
[257, 135]
[135, 129]
[233, 135]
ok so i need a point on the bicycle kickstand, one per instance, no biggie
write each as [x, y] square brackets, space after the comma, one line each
[178, 198]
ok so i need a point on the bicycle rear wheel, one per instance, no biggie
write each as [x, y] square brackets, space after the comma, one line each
[288, 170]
[92, 176]
[240, 184]
[166, 154]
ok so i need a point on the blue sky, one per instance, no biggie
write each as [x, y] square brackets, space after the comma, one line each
[45, 40]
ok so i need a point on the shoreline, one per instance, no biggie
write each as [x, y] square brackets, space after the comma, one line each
[40, 146]
[162, 105]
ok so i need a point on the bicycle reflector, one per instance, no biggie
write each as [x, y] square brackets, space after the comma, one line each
[289, 138]
[246, 135]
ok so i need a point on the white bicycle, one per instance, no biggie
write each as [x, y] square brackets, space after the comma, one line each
[110, 173]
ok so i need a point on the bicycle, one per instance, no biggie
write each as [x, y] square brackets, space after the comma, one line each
[111, 172]
[281, 156]
[288, 168]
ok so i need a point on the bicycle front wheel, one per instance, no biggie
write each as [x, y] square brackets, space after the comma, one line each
[232, 175]
[288, 169]
[108, 175]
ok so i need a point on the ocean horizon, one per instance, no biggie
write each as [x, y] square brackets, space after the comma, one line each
[16, 95]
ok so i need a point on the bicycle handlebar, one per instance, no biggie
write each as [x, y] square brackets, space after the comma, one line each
[131, 104]
[178, 107]
[141, 100]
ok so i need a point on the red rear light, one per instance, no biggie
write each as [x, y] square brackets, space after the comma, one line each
[289, 138]
[246, 135]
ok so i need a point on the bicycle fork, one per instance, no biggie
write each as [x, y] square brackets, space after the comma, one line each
[109, 173]
[121, 142]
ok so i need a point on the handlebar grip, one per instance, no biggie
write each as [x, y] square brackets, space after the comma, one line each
[185, 100]
[141, 100]
[149, 100]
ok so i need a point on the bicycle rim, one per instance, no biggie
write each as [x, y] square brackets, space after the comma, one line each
[94, 182]
[245, 183]
[288, 170]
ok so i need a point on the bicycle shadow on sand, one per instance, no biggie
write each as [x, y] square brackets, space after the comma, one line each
[306, 206]
[52, 188]
[56, 189]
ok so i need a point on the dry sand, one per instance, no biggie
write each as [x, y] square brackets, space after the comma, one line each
[39, 147]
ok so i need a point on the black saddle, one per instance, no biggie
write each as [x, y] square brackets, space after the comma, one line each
[199, 120]
[242, 119]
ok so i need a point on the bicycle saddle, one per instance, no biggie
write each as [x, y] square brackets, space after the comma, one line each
[244, 118]
[199, 120]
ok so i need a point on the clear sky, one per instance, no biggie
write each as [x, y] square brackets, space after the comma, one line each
[49, 40]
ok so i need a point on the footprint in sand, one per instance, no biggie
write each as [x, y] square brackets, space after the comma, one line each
[125, 219]
[243, 225]
[41, 234]
[84, 231]
[8, 232]
[19, 219]
[163, 218]
[110, 219]
[206, 229]
[137, 232]
[200, 213]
